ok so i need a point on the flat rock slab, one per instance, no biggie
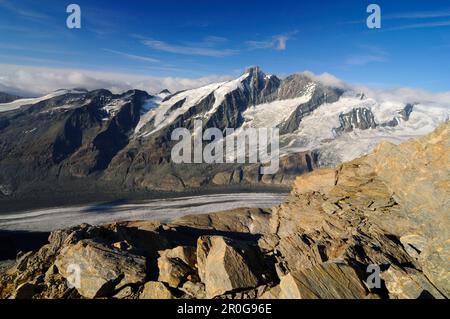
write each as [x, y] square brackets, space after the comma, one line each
[324, 281]
[102, 270]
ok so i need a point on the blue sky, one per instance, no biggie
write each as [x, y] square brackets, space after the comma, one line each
[193, 39]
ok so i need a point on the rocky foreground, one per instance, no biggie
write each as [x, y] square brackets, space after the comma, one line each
[390, 209]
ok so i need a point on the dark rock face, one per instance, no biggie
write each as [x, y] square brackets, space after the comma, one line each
[6, 98]
[293, 85]
[321, 95]
[359, 118]
[259, 88]
[165, 91]
[69, 135]
[363, 119]
[406, 112]
[403, 115]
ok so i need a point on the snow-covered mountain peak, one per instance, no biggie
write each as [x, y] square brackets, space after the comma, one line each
[225, 104]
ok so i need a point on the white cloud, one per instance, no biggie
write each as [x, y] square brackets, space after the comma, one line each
[281, 42]
[406, 95]
[18, 10]
[423, 25]
[277, 42]
[265, 44]
[39, 80]
[214, 40]
[367, 55]
[132, 56]
[418, 15]
[363, 59]
[327, 79]
[204, 48]
[397, 94]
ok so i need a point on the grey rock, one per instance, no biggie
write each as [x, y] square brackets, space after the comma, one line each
[326, 281]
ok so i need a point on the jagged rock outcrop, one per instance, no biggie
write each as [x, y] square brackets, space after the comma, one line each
[359, 118]
[362, 118]
[366, 211]
[382, 214]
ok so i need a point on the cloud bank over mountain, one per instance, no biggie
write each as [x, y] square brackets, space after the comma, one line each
[28, 80]
[395, 94]
[36, 81]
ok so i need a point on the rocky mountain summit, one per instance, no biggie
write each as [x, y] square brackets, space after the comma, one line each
[387, 210]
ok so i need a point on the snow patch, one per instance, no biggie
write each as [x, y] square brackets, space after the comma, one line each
[223, 90]
[272, 114]
[161, 115]
[21, 102]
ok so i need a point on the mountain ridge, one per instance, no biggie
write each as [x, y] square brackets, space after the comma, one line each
[124, 139]
[7, 98]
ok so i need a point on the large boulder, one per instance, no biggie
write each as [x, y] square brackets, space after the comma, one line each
[175, 265]
[388, 208]
[409, 283]
[222, 178]
[102, 269]
[224, 265]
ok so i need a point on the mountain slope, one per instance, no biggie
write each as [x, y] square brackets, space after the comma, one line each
[68, 135]
[16, 103]
[123, 141]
